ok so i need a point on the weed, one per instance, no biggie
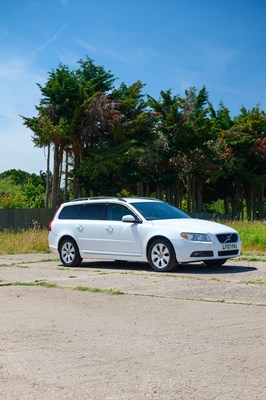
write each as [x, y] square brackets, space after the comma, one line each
[35, 283]
[254, 282]
[98, 290]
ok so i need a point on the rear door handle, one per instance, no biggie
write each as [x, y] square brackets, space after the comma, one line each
[80, 228]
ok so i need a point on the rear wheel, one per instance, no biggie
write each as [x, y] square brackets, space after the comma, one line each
[215, 263]
[161, 256]
[69, 253]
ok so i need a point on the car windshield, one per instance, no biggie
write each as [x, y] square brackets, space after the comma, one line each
[152, 210]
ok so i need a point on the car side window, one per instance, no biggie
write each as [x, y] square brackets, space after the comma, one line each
[71, 212]
[94, 211]
[116, 212]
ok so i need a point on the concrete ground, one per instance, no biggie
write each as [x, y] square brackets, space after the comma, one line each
[197, 333]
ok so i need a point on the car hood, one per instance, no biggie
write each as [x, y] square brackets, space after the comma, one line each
[194, 225]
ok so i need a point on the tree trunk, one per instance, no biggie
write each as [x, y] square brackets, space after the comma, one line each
[199, 200]
[189, 195]
[66, 177]
[55, 177]
[47, 189]
[147, 190]
[140, 189]
[77, 150]
[159, 191]
[261, 199]
[226, 206]
[247, 193]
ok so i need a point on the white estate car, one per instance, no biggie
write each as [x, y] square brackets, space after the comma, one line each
[138, 229]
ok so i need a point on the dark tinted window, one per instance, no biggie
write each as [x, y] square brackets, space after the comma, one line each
[153, 210]
[93, 211]
[116, 212]
[71, 212]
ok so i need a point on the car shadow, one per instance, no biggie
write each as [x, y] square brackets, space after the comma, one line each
[116, 265]
[197, 268]
[204, 269]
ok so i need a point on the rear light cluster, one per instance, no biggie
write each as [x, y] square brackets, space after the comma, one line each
[50, 223]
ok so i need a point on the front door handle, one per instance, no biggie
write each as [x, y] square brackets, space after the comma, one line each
[109, 228]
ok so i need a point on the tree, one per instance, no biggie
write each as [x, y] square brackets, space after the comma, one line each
[114, 130]
[65, 96]
[184, 131]
[243, 149]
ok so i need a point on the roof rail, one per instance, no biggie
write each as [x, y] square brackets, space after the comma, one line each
[111, 197]
[79, 199]
[98, 198]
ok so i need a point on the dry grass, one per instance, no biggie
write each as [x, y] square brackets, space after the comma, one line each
[28, 241]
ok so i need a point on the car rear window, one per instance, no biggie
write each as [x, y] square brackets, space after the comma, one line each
[71, 212]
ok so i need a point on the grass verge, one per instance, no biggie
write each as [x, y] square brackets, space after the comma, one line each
[28, 241]
[253, 235]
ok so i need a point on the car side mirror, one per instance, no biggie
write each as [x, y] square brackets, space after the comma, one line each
[130, 218]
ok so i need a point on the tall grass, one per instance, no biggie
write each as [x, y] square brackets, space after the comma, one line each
[253, 236]
[28, 241]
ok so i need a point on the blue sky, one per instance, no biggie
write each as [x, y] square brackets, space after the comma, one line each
[168, 44]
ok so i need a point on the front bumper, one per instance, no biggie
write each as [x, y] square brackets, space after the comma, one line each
[188, 251]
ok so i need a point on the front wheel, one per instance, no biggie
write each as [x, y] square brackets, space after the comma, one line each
[161, 256]
[69, 253]
[215, 263]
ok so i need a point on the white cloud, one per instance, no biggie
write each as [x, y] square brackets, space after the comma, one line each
[52, 39]
[19, 95]
[17, 149]
[217, 58]
[122, 53]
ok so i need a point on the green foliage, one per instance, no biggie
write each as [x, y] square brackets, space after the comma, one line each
[8, 186]
[18, 189]
[253, 235]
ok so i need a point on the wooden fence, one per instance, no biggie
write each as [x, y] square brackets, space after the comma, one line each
[23, 218]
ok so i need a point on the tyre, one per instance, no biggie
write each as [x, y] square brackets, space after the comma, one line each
[69, 253]
[161, 256]
[215, 263]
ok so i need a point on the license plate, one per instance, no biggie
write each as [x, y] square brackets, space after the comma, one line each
[229, 246]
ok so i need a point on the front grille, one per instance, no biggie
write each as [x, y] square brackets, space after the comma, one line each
[227, 253]
[227, 237]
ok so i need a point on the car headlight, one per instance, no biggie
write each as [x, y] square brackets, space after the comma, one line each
[195, 237]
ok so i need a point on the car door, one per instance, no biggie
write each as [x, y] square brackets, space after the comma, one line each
[121, 238]
[90, 227]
